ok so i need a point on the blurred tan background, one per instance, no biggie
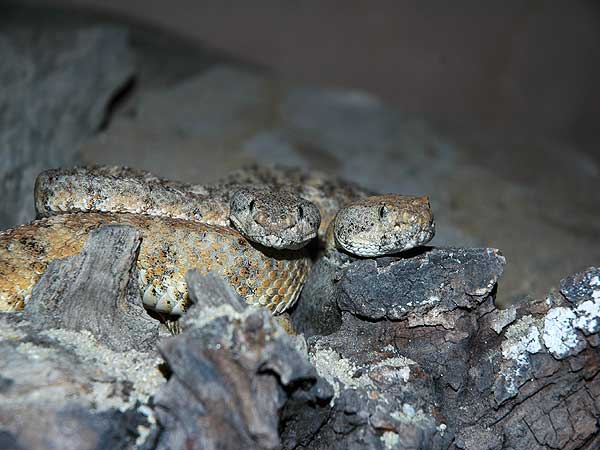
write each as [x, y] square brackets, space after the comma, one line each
[517, 63]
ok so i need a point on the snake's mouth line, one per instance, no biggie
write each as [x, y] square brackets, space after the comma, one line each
[271, 240]
[278, 243]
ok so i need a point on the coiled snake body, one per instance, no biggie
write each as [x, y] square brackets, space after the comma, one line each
[175, 238]
[169, 248]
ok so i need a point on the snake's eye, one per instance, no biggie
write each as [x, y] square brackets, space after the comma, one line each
[382, 212]
[300, 212]
[251, 206]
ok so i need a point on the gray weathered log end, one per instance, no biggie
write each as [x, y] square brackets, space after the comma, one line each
[209, 291]
[96, 291]
[235, 374]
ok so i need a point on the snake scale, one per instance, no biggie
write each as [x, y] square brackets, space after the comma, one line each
[188, 226]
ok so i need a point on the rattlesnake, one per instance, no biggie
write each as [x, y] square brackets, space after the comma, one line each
[174, 239]
[280, 218]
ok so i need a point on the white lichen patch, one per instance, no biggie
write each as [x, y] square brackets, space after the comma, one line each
[140, 369]
[561, 338]
[588, 312]
[408, 409]
[561, 325]
[339, 372]
[431, 300]
[588, 315]
[390, 439]
[399, 368]
[436, 316]
[521, 339]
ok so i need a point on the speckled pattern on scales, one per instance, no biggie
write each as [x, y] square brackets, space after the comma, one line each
[170, 247]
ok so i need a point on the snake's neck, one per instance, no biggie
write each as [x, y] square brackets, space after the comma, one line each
[330, 244]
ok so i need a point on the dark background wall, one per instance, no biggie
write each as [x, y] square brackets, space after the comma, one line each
[528, 64]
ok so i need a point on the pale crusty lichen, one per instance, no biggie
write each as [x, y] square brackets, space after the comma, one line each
[138, 368]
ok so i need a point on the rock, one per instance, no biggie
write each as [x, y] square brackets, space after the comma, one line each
[404, 330]
[431, 281]
[231, 375]
[581, 287]
[418, 285]
[96, 291]
[74, 428]
[56, 86]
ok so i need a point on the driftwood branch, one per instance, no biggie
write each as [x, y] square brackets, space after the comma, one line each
[77, 362]
[231, 375]
[97, 291]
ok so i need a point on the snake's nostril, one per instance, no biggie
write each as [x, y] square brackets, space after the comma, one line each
[261, 219]
[290, 222]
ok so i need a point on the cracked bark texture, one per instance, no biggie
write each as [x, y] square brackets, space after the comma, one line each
[236, 377]
[97, 291]
[420, 358]
[424, 359]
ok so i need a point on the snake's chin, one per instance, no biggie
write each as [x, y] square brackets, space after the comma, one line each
[278, 243]
[370, 249]
[284, 244]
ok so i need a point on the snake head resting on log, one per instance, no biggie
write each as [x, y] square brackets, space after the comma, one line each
[383, 224]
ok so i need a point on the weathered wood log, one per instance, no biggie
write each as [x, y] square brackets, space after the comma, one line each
[423, 358]
[417, 356]
[97, 291]
[233, 370]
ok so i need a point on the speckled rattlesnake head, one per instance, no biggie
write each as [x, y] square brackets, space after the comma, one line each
[274, 218]
[383, 224]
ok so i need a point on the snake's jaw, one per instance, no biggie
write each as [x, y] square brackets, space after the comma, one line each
[276, 219]
[383, 225]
